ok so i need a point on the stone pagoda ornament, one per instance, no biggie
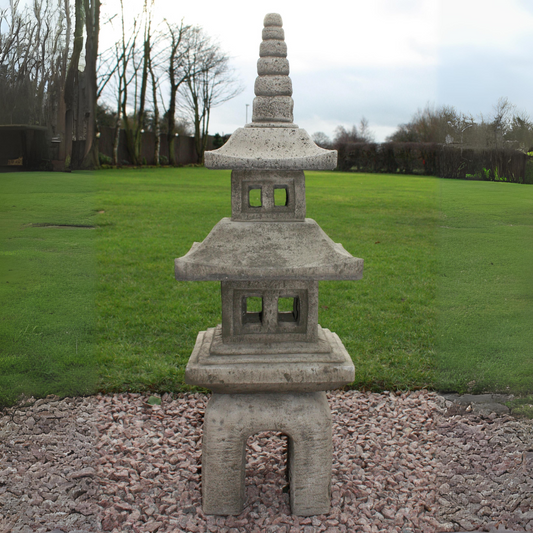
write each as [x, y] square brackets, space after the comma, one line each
[269, 363]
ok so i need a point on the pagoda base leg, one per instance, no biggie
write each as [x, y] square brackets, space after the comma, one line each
[231, 418]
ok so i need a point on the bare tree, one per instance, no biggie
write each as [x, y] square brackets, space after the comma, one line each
[157, 125]
[364, 131]
[321, 139]
[72, 82]
[428, 125]
[116, 74]
[521, 131]
[34, 43]
[139, 113]
[122, 66]
[343, 135]
[128, 72]
[177, 71]
[149, 69]
[128, 68]
[92, 30]
[80, 88]
[501, 121]
[461, 129]
[210, 82]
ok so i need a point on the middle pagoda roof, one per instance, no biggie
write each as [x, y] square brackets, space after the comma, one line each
[267, 251]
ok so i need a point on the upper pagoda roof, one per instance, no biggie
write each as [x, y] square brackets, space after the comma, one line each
[280, 148]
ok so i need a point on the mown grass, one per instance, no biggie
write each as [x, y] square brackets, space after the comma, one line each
[430, 311]
[485, 288]
[47, 285]
[148, 322]
[387, 319]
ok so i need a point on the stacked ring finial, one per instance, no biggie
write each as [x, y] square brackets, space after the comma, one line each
[273, 87]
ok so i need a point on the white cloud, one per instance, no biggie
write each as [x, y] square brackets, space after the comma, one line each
[488, 24]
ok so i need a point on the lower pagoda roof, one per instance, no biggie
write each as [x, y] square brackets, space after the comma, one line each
[236, 251]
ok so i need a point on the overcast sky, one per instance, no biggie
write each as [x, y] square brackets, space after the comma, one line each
[381, 59]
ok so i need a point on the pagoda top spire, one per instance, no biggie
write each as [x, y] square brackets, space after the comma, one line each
[272, 141]
[273, 87]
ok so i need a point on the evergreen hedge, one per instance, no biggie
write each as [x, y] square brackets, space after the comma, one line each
[433, 159]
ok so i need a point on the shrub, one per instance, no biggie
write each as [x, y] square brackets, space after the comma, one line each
[104, 159]
[46, 166]
[528, 178]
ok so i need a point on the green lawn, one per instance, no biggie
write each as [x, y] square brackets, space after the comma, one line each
[148, 322]
[47, 285]
[485, 287]
[430, 311]
[387, 319]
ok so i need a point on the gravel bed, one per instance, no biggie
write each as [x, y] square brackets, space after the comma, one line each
[402, 463]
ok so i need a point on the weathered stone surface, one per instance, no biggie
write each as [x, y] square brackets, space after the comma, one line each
[269, 259]
[483, 404]
[251, 352]
[270, 372]
[273, 109]
[272, 19]
[268, 251]
[272, 141]
[272, 104]
[273, 48]
[269, 147]
[231, 418]
[273, 86]
[269, 325]
[273, 33]
[273, 66]
[243, 182]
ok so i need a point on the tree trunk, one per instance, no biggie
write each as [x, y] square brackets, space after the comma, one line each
[92, 25]
[71, 81]
[157, 131]
[142, 98]
[115, 143]
[171, 125]
[130, 139]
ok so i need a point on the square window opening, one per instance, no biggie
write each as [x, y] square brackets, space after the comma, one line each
[281, 196]
[252, 310]
[255, 198]
[289, 309]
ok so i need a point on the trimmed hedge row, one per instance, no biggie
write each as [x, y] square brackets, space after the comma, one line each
[432, 159]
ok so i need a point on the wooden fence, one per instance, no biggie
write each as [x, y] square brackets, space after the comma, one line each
[184, 149]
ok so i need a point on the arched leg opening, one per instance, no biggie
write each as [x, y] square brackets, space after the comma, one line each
[231, 418]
